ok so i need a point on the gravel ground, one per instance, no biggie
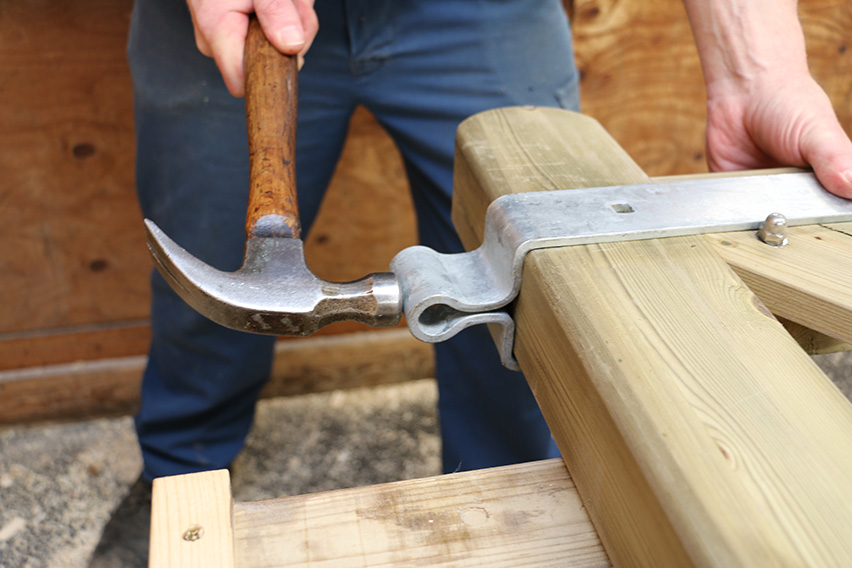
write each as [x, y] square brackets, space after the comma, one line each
[58, 483]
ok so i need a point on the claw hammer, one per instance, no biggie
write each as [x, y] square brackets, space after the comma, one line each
[273, 292]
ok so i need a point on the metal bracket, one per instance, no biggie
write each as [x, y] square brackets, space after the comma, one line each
[446, 293]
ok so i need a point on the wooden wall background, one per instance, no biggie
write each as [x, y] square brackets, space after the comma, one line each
[73, 262]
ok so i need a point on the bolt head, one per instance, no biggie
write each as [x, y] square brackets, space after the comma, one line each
[773, 231]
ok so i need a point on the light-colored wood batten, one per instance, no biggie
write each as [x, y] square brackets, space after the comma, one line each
[192, 521]
[521, 515]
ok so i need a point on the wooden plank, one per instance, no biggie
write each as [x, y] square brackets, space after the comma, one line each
[42, 348]
[109, 340]
[643, 48]
[191, 521]
[804, 281]
[522, 515]
[110, 387]
[69, 253]
[813, 342]
[696, 430]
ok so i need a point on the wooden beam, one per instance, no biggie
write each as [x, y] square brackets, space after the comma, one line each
[802, 283]
[523, 515]
[814, 342]
[110, 387]
[191, 521]
[695, 428]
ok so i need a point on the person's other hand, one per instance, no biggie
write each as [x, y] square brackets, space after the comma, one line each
[221, 27]
[786, 121]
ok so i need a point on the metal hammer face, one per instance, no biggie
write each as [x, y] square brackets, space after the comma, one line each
[274, 292]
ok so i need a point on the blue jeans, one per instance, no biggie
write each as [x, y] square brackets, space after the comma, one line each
[421, 67]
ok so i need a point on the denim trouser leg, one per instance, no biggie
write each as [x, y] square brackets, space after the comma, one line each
[421, 67]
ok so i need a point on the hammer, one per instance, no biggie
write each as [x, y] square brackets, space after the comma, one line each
[273, 292]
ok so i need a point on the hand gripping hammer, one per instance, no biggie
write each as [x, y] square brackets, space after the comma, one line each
[273, 292]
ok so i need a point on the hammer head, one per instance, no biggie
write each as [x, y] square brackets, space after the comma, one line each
[273, 292]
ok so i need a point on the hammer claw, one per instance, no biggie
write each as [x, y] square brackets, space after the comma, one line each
[273, 293]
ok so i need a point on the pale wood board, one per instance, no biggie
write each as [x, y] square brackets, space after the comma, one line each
[522, 515]
[802, 283]
[806, 281]
[109, 387]
[695, 428]
[813, 342]
[199, 504]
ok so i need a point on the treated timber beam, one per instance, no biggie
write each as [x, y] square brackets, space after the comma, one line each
[696, 430]
[802, 284]
[813, 342]
[522, 515]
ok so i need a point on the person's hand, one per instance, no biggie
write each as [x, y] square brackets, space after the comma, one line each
[767, 122]
[221, 27]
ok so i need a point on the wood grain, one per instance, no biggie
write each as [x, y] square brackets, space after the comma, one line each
[272, 94]
[191, 523]
[641, 77]
[806, 281]
[813, 342]
[802, 283]
[71, 245]
[523, 515]
[110, 387]
[662, 376]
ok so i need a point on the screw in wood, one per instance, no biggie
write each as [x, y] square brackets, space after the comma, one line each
[773, 231]
[193, 533]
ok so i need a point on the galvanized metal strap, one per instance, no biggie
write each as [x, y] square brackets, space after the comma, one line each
[444, 294]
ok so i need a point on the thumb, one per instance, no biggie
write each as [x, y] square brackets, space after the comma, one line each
[282, 25]
[828, 150]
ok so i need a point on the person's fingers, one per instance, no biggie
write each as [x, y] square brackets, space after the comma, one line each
[827, 148]
[310, 24]
[227, 44]
[220, 31]
[282, 24]
[773, 126]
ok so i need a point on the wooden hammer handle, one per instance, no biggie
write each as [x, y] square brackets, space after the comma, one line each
[271, 110]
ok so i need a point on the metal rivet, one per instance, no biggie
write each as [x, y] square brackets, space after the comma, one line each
[193, 533]
[773, 231]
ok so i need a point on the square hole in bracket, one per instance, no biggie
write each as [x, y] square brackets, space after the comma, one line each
[622, 208]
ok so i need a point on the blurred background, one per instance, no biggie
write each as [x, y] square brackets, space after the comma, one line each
[351, 406]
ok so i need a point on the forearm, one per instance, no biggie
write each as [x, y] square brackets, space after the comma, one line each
[740, 40]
